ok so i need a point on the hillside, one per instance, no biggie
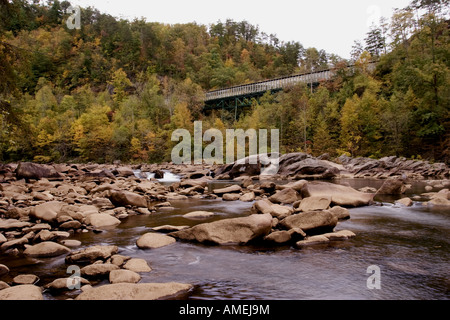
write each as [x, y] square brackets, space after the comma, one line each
[116, 89]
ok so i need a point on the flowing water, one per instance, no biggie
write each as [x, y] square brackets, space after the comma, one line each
[409, 245]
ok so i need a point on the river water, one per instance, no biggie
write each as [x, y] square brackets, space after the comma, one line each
[409, 245]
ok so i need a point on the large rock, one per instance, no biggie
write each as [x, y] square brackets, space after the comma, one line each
[313, 240]
[124, 276]
[281, 212]
[98, 269]
[247, 197]
[8, 224]
[340, 212]
[126, 198]
[392, 186]
[22, 292]
[62, 284]
[287, 196]
[312, 222]
[229, 231]
[102, 220]
[304, 166]
[266, 207]
[231, 189]
[131, 291]
[263, 206]
[198, 215]
[314, 203]
[3, 270]
[14, 243]
[340, 195]
[91, 254]
[47, 211]
[137, 265]
[28, 170]
[46, 249]
[26, 279]
[154, 240]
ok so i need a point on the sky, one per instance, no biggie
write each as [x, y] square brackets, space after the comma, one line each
[324, 24]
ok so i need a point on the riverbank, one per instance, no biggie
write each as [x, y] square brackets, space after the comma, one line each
[45, 209]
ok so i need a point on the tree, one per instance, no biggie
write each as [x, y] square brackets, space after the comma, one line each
[91, 134]
[120, 82]
[375, 41]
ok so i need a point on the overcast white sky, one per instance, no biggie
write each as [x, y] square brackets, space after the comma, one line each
[325, 24]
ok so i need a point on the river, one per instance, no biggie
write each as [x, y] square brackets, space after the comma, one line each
[410, 245]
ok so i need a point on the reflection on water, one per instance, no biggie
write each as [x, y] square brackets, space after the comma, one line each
[410, 245]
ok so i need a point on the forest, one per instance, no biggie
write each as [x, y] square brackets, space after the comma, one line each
[116, 89]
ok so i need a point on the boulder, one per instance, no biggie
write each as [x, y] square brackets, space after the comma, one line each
[312, 222]
[46, 249]
[228, 231]
[98, 269]
[25, 279]
[296, 185]
[231, 196]
[154, 240]
[281, 212]
[73, 224]
[405, 202]
[340, 195]
[14, 243]
[440, 202]
[9, 224]
[302, 165]
[22, 292]
[314, 203]
[124, 276]
[287, 196]
[169, 228]
[28, 170]
[62, 284]
[339, 235]
[263, 206]
[2, 239]
[71, 243]
[198, 215]
[247, 197]
[137, 265]
[91, 254]
[123, 172]
[231, 189]
[139, 291]
[4, 285]
[278, 237]
[126, 198]
[340, 213]
[393, 187]
[3, 270]
[102, 220]
[47, 211]
[314, 240]
[119, 259]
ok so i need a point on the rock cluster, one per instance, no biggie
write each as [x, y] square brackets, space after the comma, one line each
[41, 206]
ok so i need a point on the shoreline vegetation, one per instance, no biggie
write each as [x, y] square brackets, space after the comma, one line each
[117, 89]
[41, 206]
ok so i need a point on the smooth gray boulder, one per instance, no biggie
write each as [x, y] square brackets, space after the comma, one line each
[228, 231]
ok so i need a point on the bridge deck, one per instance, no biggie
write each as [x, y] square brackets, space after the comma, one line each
[273, 84]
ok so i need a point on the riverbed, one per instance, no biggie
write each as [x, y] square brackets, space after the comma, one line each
[410, 245]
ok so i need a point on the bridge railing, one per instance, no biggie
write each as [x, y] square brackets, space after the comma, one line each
[273, 84]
